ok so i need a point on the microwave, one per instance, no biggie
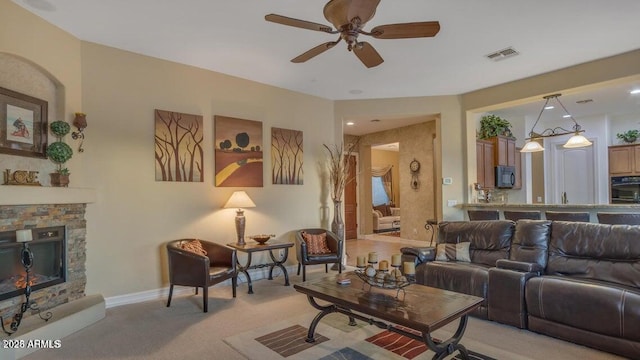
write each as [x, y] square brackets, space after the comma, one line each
[505, 177]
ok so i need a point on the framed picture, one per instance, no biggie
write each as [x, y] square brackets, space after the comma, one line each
[238, 152]
[23, 124]
[178, 150]
[286, 157]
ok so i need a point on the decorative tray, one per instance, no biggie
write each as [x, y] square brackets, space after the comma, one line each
[384, 282]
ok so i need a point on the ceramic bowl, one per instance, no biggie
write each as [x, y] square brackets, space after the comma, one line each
[261, 239]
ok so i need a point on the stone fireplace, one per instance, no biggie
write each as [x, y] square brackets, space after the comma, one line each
[59, 241]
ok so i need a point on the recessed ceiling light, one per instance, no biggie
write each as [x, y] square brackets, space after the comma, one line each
[350, 123]
[549, 107]
[355, 91]
[634, 92]
[566, 116]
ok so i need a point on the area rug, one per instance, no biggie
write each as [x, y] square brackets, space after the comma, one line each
[335, 339]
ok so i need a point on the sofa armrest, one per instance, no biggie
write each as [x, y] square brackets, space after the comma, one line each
[395, 211]
[519, 266]
[418, 255]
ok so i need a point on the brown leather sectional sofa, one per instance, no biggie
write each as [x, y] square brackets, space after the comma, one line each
[575, 281]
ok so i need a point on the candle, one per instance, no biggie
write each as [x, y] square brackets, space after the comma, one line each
[23, 235]
[395, 259]
[373, 257]
[384, 265]
[409, 268]
[361, 261]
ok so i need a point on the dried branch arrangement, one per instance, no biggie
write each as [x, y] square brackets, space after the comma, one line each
[338, 165]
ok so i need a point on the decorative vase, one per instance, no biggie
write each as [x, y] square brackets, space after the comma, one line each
[337, 225]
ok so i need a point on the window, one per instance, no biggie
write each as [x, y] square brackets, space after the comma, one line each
[379, 195]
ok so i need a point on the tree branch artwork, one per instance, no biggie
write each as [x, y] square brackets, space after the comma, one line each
[178, 147]
[286, 157]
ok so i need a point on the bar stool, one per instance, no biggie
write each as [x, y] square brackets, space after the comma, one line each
[619, 218]
[475, 215]
[517, 215]
[567, 216]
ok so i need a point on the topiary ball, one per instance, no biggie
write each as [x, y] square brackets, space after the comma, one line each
[59, 152]
[60, 128]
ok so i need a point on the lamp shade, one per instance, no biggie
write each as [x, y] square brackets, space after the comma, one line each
[239, 199]
[24, 235]
[532, 146]
[577, 141]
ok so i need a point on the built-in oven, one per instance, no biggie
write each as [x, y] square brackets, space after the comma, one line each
[625, 189]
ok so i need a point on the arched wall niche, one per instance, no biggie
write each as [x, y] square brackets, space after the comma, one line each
[24, 76]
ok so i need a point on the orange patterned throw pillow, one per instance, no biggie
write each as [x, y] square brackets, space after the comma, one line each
[194, 246]
[317, 243]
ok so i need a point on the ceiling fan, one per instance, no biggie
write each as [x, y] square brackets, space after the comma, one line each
[349, 17]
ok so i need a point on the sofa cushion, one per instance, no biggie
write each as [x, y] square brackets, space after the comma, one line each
[490, 240]
[316, 243]
[453, 252]
[595, 306]
[384, 209]
[379, 213]
[531, 242]
[602, 252]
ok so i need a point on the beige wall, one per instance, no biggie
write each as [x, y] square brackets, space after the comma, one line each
[134, 215]
[382, 158]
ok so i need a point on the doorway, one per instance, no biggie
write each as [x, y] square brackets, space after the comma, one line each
[351, 200]
[574, 174]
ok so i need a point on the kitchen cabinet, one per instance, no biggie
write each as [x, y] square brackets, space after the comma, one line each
[504, 151]
[624, 160]
[484, 164]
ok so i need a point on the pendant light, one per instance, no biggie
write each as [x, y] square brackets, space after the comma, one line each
[576, 141]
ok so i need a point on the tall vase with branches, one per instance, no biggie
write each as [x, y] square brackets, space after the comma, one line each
[339, 171]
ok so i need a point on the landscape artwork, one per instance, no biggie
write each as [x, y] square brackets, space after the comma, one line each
[238, 152]
[178, 144]
[286, 157]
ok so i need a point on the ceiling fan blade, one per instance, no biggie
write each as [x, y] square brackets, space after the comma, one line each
[314, 52]
[406, 30]
[341, 12]
[279, 19]
[367, 54]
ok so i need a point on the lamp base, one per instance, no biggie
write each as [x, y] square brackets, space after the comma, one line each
[240, 222]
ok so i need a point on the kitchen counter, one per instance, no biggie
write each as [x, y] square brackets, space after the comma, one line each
[592, 209]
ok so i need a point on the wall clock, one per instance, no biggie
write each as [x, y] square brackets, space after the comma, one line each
[414, 165]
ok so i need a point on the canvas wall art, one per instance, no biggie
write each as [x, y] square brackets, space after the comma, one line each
[179, 153]
[238, 152]
[286, 157]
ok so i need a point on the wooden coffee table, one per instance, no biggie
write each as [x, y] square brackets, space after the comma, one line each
[422, 308]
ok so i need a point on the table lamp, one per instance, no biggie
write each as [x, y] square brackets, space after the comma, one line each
[239, 200]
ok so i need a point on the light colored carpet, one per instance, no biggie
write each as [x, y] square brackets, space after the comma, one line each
[150, 330]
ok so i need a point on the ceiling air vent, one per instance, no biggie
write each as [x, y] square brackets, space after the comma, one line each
[502, 54]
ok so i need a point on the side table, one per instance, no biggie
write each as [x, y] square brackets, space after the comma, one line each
[250, 248]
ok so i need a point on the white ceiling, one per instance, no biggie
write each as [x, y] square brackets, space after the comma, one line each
[232, 37]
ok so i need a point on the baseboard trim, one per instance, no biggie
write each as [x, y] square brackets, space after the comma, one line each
[163, 293]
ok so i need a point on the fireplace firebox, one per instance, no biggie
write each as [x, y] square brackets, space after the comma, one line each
[49, 261]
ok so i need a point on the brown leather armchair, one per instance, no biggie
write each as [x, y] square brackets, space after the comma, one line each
[304, 258]
[187, 268]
